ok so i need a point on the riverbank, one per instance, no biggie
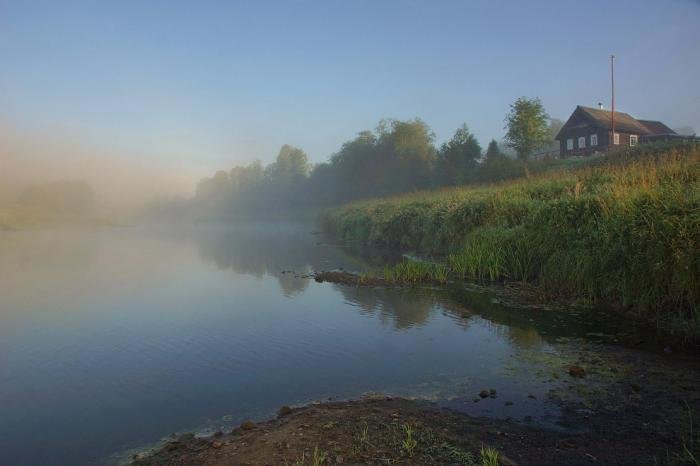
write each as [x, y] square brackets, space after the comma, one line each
[642, 415]
[623, 233]
[610, 404]
[376, 431]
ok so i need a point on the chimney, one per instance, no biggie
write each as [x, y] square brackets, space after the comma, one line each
[600, 105]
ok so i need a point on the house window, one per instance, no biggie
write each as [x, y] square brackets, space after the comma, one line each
[594, 139]
[633, 139]
[569, 144]
[616, 139]
[581, 142]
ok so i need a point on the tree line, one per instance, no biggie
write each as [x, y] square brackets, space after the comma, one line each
[396, 157]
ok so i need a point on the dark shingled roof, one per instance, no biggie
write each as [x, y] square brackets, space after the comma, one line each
[656, 127]
[624, 122]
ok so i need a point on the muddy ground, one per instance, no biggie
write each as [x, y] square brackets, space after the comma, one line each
[641, 418]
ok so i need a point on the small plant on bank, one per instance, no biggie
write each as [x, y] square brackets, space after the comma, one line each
[319, 457]
[463, 457]
[489, 456]
[364, 435]
[408, 444]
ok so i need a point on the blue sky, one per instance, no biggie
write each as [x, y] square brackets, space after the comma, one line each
[216, 84]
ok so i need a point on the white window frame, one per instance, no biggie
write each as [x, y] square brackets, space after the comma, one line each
[570, 144]
[594, 139]
[635, 138]
[582, 142]
[616, 139]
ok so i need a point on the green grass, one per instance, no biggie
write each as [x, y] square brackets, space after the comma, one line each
[489, 456]
[623, 230]
[408, 444]
[318, 458]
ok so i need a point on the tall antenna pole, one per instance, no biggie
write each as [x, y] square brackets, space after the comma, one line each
[612, 84]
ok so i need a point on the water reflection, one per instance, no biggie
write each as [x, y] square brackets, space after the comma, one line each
[286, 251]
[113, 338]
[291, 251]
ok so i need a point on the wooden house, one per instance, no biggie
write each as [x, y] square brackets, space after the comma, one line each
[589, 130]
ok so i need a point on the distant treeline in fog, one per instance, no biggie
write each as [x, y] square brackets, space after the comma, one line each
[45, 204]
[397, 157]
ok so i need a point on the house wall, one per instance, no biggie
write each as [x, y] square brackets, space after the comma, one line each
[604, 140]
[586, 132]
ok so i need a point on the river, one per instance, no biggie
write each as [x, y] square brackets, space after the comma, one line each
[111, 339]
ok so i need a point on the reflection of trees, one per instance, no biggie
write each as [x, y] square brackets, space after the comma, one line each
[529, 326]
[277, 249]
[408, 307]
[285, 251]
[514, 325]
[405, 308]
[260, 250]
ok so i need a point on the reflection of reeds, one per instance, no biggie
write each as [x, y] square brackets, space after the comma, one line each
[624, 232]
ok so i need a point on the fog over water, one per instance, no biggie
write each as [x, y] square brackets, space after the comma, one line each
[124, 182]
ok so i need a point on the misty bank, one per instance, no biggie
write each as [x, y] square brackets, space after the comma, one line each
[622, 233]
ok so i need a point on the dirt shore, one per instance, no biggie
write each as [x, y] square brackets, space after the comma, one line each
[374, 431]
[617, 405]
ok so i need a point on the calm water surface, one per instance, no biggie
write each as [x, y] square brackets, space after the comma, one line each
[112, 339]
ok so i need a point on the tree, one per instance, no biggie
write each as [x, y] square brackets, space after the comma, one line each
[499, 166]
[246, 178]
[291, 165]
[458, 157]
[405, 156]
[526, 126]
[493, 151]
[555, 125]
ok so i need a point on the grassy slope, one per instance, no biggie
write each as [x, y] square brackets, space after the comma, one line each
[623, 231]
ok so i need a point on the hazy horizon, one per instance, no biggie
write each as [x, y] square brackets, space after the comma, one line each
[181, 91]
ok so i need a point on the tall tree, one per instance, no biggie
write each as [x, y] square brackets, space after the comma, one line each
[526, 126]
[457, 159]
[405, 155]
[497, 165]
[493, 151]
[291, 164]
